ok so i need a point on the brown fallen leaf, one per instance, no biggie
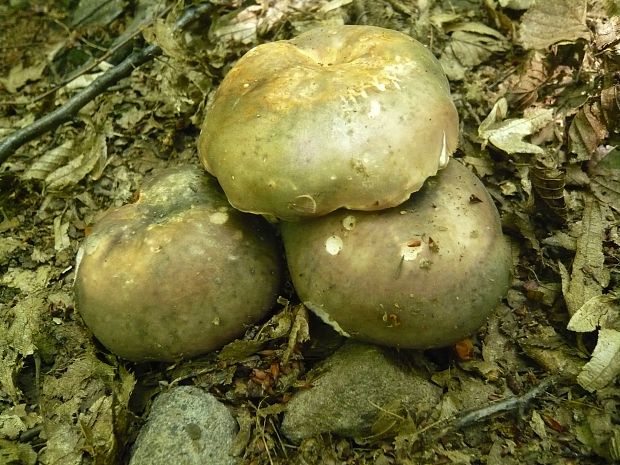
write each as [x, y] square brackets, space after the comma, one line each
[553, 22]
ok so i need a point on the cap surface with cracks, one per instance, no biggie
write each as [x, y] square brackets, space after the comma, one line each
[176, 274]
[424, 274]
[340, 116]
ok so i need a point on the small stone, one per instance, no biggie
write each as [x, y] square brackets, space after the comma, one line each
[355, 383]
[186, 426]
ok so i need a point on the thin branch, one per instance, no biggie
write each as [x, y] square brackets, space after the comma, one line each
[439, 429]
[512, 403]
[71, 107]
[85, 69]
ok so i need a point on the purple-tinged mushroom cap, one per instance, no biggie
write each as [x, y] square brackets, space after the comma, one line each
[343, 116]
[176, 274]
[424, 274]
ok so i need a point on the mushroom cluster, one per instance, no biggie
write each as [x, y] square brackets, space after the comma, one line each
[334, 132]
[344, 134]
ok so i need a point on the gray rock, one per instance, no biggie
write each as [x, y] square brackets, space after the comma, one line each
[350, 391]
[186, 426]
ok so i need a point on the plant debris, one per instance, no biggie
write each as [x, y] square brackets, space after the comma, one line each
[536, 85]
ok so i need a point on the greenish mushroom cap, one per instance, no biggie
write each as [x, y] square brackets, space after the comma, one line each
[176, 274]
[424, 274]
[344, 116]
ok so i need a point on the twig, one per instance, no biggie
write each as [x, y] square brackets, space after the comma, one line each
[85, 69]
[512, 403]
[441, 428]
[72, 106]
[122, 41]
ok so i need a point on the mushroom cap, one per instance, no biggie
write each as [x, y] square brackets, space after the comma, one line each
[176, 274]
[341, 116]
[424, 274]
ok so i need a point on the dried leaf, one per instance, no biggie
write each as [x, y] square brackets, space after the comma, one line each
[61, 236]
[16, 453]
[604, 366]
[586, 131]
[553, 22]
[62, 446]
[184, 81]
[162, 33]
[87, 411]
[607, 32]
[551, 352]
[97, 12]
[238, 351]
[470, 44]
[610, 106]
[333, 4]
[482, 164]
[21, 326]
[392, 419]
[588, 275]
[16, 420]
[497, 114]
[130, 117]
[83, 80]
[88, 152]
[593, 122]
[606, 187]
[516, 4]
[97, 425]
[598, 430]
[508, 135]
[300, 331]
[19, 76]
[8, 245]
[538, 425]
[49, 161]
[601, 311]
[532, 76]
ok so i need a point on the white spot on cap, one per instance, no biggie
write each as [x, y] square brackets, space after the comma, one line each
[333, 245]
[375, 109]
[218, 217]
[444, 156]
[348, 222]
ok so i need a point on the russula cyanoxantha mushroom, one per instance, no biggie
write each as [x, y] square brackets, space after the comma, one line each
[340, 116]
[177, 273]
[424, 274]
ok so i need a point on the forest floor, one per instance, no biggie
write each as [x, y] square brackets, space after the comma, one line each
[537, 89]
